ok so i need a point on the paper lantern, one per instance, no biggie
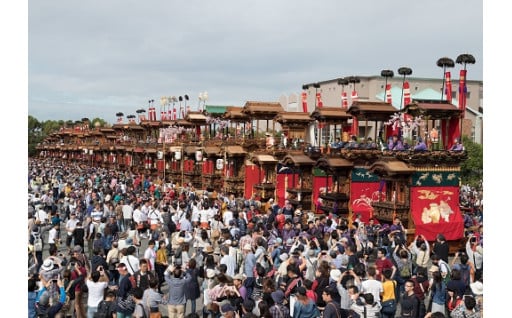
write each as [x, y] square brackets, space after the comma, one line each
[199, 155]
[219, 164]
[160, 154]
[177, 155]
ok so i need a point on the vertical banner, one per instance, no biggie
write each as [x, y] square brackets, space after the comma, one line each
[448, 87]
[304, 102]
[344, 100]
[319, 102]
[388, 94]
[252, 173]
[407, 93]
[462, 92]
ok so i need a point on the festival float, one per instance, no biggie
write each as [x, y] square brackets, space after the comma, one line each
[261, 151]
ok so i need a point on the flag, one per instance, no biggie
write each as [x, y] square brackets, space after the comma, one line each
[462, 92]
[354, 96]
[344, 100]
[407, 94]
[448, 87]
[388, 94]
[304, 102]
[319, 102]
[173, 113]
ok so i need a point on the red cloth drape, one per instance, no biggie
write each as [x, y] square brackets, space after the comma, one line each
[251, 178]
[362, 194]
[435, 210]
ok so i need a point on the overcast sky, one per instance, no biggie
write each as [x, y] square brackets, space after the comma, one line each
[96, 58]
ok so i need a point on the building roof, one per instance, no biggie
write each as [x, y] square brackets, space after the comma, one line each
[432, 109]
[297, 160]
[330, 114]
[390, 168]
[263, 159]
[211, 150]
[262, 110]
[365, 110]
[232, 151]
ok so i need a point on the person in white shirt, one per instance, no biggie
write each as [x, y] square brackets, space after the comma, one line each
[96, 283]
[53, 236]
[127, 214]
[228, 260]
[371, 285]
[131, 262]
[227, 216]
[41, 215]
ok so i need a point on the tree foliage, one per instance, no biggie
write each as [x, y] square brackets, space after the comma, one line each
[473, 168]
[39, 130]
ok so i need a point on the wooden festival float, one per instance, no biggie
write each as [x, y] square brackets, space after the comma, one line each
[241, 151]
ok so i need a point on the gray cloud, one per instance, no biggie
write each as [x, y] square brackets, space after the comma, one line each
[95, 58]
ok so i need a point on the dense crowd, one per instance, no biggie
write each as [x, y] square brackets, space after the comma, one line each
[106, 243]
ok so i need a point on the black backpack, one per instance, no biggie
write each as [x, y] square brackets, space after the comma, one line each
[103, 310]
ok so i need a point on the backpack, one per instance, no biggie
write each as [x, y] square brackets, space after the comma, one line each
[38, 243]
[405, 271]
[103, 310]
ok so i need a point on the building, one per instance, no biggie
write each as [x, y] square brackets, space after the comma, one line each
[372, 88]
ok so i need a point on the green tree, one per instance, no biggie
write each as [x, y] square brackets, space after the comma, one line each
[473, 168]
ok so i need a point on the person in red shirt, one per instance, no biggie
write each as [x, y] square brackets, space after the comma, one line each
[280, 219]
[381, 263]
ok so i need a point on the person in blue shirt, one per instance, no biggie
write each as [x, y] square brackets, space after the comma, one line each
[42, 301]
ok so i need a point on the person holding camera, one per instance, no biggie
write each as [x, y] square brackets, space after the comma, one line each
[176, 281]
[96, 284]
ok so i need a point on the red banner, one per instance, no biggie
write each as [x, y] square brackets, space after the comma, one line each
[462, 92]
[355, 126]
[285, 181]
[448, 87]
[319, 102]
[344, 100]
[436, 210]
[388, 94]
[304, 102]
[251, 178]
[407, 94]
[362, 194]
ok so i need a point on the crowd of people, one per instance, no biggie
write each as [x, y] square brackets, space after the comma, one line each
[105, 243]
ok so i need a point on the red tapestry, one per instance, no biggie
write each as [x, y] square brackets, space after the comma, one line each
[319, 186]
[285, 181]
[251, 178]
[436, 210]
[362, 194]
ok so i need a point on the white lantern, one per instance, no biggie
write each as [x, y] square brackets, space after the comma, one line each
[85, 151]
[177, 155]
[90, 151]
[199, 155]
[219, 164]
[160, 154]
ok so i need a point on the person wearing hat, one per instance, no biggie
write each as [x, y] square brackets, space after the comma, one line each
[238, 280]
[278, 309]
[477, 288]
[249, 263]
